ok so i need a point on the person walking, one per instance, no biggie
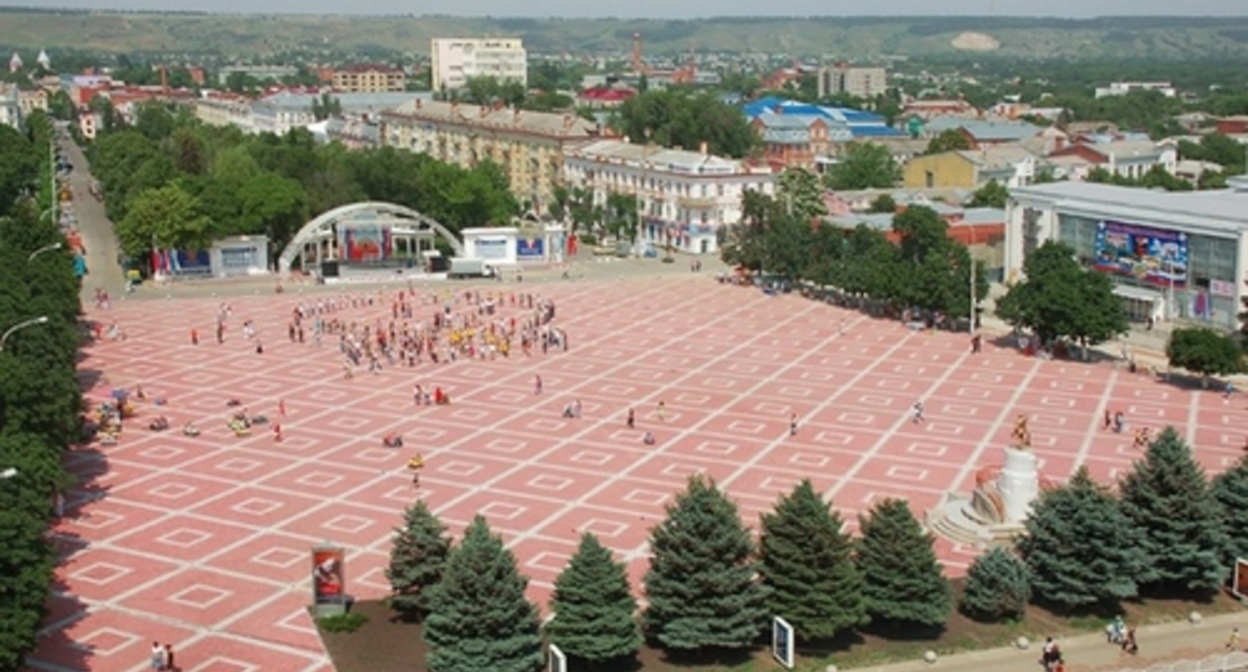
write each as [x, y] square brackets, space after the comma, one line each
[632, 419]
[793, 425]
[662, 412]
[169, 664]
[537, 384]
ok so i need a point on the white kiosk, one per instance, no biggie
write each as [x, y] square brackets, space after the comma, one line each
[511, 246]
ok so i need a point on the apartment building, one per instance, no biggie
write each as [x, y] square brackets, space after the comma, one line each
[455, 60]
[529, 146]
[854, 80]
[368, 78]
[1123, 88]
[10, 106]
[685, 197]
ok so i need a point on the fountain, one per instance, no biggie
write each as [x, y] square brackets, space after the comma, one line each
[994, 512]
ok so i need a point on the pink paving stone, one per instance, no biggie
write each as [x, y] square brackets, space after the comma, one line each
[735, 355]
[618, 530]
[273, 556]
[201, 596]
[107, 640]
[284, 621]
[184, 537]
[103, 574]
[221, 653]
[350, 524]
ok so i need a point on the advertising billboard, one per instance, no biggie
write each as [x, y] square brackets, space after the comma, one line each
[530, 248]
[1155, 256]
[491, 248]
[329, 574]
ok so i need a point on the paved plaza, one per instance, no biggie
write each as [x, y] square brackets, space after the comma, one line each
[204, 542]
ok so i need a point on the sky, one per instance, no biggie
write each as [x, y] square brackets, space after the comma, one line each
[677, 9]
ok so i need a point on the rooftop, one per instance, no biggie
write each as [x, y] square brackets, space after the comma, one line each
[860, 123]
[662, 159]
[563, 126]
[1005, 155]
[1221, 209]
[985, 130]
[301, 101]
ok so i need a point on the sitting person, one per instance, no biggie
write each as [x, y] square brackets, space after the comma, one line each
[569, 411]
[159, 423]
[648, 439]
[190, 429]
[233, 402]
[392, 441]
[138, 393]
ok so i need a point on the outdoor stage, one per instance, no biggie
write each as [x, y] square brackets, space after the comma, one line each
[204, 542]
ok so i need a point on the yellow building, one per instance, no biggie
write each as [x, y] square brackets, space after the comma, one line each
[528, 146]
[369, 79]
[1010, 166]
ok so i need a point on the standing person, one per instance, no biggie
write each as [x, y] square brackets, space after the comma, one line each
[194, 337]
[158, 656]
[662, 412]
[793, 425]
[537, 384]
[277, 432]
[281, 407]
[917, 412]
[169, 665]
[632, 421]
[1232, 643]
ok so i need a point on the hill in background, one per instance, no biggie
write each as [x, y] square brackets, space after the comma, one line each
[857, 38]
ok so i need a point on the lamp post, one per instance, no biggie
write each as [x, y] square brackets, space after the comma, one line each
[45, 248]
[42, 319]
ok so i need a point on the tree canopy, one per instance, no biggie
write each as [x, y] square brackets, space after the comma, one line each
[1059, 298]
[864, 165]
[904, 584]
[1204, 351]
[676, 119]
[594, 607]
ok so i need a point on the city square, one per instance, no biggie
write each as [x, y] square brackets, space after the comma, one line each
[204, 541]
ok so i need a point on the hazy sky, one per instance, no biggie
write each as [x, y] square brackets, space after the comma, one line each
[678, 8]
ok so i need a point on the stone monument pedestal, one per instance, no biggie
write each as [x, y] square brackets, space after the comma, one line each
[993, 514]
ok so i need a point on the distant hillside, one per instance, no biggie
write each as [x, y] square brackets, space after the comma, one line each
[859, 38]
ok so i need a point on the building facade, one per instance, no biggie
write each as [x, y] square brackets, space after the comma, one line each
[854, 80]
[685, 197]
[369, 79]
[528, 146]
[1172, 255]
[10, 106]
[1131, 159]
[455, 60]
[971, 169]
[795, 139]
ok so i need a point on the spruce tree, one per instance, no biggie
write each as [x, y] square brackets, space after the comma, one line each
[416, 560]
[1078, 547]
[1230, 490]
[594, 607]
[808, 563]
[701, 586]
[1177, 521]
[479, 618]
[904, 584]
[997, 587]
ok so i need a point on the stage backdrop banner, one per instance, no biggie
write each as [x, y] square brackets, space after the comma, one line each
[192, 262]
[365, 242]
[1155, 256]
[530, 248]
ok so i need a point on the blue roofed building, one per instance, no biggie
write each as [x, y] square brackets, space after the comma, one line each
[797, 133]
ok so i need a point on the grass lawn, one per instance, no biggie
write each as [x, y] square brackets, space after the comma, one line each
[385, 644]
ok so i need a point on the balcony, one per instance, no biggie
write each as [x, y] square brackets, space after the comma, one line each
[697, 203]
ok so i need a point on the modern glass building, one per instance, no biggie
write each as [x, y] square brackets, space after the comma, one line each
[1173, 255]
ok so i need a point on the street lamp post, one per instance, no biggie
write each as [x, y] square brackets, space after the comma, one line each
[45, 248]
[42, 319]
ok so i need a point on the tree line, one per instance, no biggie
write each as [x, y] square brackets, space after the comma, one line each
[1167, 530]
[40, 399]
[924, 269]
[168, 179]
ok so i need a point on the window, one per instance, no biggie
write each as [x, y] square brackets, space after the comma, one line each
[929, 179]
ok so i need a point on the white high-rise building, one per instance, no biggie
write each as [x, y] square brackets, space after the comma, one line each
[455, 60]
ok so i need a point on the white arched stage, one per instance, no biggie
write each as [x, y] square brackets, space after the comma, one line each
[405, 229]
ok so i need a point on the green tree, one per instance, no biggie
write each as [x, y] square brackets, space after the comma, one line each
[1059, 298]
[1230, 491]
[479, 617]
[674, 118]
[808, 563]
[801, 192]
[883, 204]
[951, 140]
[417, 559]
[904, 584]
[167, 218]
[272, 205]
[936, 269]
[1178, 522]
[1079, 547]
[1204, 351]
[997, 587]
[594, 607]
[19, 167]
[701, 586]
[992, 195]
[864, 165]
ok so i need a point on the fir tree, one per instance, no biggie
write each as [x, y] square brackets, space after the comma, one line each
[479, 618]
[997, 587]
[904, 584]
[416, 560]
[701, 586]
[594, 607]
[808, 563]
[1230, 490]
[1178, 522]
[1078, 547]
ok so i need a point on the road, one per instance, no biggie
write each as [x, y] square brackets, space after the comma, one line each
[97, 231]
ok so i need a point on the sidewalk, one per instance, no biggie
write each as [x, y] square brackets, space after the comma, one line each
[1161, 643]
[98, 236]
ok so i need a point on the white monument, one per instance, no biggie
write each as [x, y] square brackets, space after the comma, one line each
[993, 514]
